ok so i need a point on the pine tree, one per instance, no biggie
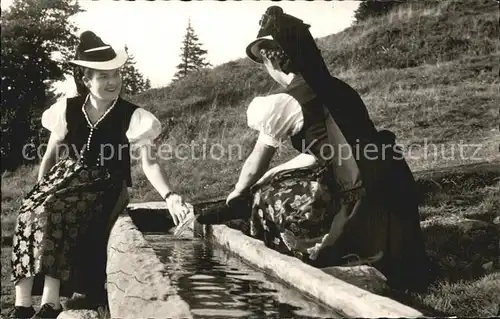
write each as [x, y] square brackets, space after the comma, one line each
[192, 56]
[133, 80]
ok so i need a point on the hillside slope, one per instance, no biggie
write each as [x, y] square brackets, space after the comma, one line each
[427, 72]
[444, 108]
[429, 31]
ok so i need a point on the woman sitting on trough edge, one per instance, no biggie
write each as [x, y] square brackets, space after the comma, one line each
[64, 222]
[328, 203]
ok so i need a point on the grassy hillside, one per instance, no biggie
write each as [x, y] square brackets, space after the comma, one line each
[429, 72]
[445, 100]
[448, 95]
[428, 31]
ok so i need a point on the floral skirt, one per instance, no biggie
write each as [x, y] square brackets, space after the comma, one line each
[293, 211]
[63, 223]
[296, 213]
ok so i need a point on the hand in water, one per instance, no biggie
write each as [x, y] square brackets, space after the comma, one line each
[177, 208]
[186, 222]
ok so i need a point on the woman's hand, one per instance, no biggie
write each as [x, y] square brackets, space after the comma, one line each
[177, 208]
[156, 176]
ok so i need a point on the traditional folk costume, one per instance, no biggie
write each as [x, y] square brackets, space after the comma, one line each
[65, 220]
[356, 201]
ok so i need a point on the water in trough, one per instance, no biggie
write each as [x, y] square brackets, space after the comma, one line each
[217, 284]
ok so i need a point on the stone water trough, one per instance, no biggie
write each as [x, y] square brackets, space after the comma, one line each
[138, 286]
[141, 289]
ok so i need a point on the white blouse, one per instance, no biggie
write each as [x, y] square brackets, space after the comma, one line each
[276, 117]
[143, 129]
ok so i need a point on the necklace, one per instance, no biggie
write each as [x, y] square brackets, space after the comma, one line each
[93, 126]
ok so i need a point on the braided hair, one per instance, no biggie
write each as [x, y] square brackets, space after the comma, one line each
[278, 57]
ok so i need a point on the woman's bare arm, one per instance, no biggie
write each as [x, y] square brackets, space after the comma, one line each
[299, 161]
[157, 176]
[51, 155]
[255, 166]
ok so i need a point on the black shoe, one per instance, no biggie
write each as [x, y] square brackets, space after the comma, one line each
[19, 312]
[47, 311]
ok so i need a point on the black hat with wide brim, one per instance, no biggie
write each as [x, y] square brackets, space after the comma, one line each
[278, 29]
[253, 49]
[292, 35]
[93, 53]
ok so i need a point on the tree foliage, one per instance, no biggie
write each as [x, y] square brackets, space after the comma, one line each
[192, 56]
[37, 37]
[134, 81]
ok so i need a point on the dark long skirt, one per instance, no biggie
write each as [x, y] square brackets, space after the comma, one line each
[63, 226]
[294, 210]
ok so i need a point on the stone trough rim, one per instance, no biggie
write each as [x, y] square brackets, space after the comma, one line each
[359, 302]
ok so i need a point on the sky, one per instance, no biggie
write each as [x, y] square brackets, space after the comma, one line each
[153, 30]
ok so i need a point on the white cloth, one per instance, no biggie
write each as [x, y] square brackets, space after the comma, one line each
[50, 293]
[23, 292]
[143, 129]
[276, 117]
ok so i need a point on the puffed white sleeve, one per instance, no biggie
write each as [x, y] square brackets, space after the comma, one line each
[144, 128]
[54, 119]
[276, 117]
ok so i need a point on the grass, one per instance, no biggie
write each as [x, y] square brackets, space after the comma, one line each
[468, 267]
[421, 32]
[428, 72]
[478, 298]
